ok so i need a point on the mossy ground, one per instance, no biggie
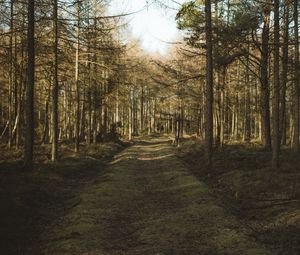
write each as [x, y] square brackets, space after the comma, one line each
[31, 201]
[266, 202]
[145, 202]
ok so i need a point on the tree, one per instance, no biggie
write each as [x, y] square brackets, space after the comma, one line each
[264, 79]
[296, 82]
[54, 156]
[77, 88]
[11, 74]
[284, 74]
[117, 88]
[209, 84]
[29, 109]
[276, 87]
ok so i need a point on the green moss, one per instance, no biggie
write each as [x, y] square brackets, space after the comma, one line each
[148, 204]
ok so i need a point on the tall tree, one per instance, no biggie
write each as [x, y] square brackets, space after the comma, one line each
[276, 88]
[11, 75]
[296, 84]
[284, 74]
[209, 84]
[29, 109]
[54, 155]
[77, 111]
[264, 78]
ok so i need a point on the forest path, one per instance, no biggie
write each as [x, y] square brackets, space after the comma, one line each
[148, 202]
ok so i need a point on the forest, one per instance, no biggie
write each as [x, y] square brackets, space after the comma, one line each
[107, 148]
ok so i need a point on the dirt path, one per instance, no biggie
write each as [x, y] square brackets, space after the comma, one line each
[148, 203]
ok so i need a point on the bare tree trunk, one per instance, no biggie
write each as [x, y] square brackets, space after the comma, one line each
[247, 127]
[181, 120]
[209, 85]
[276, 87]
[89, 92]
[95, 116]
[130, 115]
[54, 155]
[82, 117]
[19, 109]
[29, 136]
[296, 84]
[46, 122]
[265, 101]
[142, 109]
[285, 55]
[89, 128]
[223, 106]
[77, 112]
[22, 87]
[11, 75]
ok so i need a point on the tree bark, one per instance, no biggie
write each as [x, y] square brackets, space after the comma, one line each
[247, 124]
[296, 84]
[285, 55]
[77, 111]
[276, 88]
[54, 155]
[29, 132]
[209, 85]
[11, 75]
[264, 76]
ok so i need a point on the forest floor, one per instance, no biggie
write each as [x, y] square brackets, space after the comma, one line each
[31, 201]
[264, 201]
[149, 199]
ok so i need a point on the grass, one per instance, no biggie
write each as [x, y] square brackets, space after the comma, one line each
[264, 200]
[31, 201]
[145, 201]
[153, 206]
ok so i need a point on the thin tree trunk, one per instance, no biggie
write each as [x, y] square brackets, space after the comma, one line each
[265, 101]
[11, 76]
[209, 84]
[276, 87]
[29, 131]
[142, 110]
[247, 127]
[54, 155]
[46, 122]
[296, 84]
[285, 55]
[130, 116]
[89, 129]
[77, 112]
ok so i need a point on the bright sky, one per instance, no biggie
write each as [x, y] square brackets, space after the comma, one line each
[154, 26]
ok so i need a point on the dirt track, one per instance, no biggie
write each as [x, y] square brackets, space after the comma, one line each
[147, 202]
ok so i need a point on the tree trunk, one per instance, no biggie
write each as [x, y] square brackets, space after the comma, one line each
[247, 126]
[265, 101]
[296, 84]
[276, 88]
[130, 115]
[54, 155]
[77, 111]
[29, 135]
[209, 84]
[142, 110]
[285, 55]
[11, 75]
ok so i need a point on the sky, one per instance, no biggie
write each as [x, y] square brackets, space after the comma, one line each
[153, 25]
